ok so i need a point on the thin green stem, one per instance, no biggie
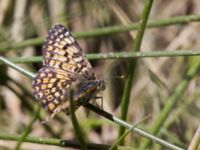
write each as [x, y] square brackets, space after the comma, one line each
[128, 126]
[132, 65]
[118, 55]
[14, 66]
[75, 123]
[114, 145]
[51, 141]
[134, 26]
[109, 30]
[25, 43]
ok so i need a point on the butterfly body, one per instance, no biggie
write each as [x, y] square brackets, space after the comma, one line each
[64, 63]
[89, 90]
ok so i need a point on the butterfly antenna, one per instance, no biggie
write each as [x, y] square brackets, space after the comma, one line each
[118, 77]
[115, 77]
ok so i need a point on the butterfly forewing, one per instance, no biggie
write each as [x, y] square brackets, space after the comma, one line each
[63, 52]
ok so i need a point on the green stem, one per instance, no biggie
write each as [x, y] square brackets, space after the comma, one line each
[128, 126]
[118, 55]
[132, 65]
[51, 141]
[109, 30]
[75, 123]
[115, 143]
[14, 66]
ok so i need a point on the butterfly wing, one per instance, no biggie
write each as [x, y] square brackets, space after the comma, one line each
[61, 51]
[63, 62]
[50, 86]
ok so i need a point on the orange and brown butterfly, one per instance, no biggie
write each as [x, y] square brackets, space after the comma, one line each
[64, 62]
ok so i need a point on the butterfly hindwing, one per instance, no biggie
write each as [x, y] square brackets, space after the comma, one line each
[49, 87]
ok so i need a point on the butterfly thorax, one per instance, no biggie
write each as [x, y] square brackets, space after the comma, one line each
[89, 89]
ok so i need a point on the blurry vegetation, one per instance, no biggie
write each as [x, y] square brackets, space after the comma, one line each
[156, 81]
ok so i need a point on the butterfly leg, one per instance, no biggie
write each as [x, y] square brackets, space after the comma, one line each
[101, 99]
[67, 111]
[93, 102]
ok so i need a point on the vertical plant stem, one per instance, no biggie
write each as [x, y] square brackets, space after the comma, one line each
[132, 65]
[76, 126]
[171, 102]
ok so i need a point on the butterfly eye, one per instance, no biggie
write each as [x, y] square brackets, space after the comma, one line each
[102, 85]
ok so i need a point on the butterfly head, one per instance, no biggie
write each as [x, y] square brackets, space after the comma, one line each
[101, 84]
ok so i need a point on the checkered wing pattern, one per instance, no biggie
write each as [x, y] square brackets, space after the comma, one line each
[61, 51]
[63, 62]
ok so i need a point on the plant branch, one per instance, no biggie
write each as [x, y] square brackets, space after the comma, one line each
[77, 129]
[118, 55]
[108, 31]
[129, 126]
[132, 65]
[52, 141]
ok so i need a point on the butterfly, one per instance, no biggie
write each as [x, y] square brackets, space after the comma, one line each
[64, 63]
